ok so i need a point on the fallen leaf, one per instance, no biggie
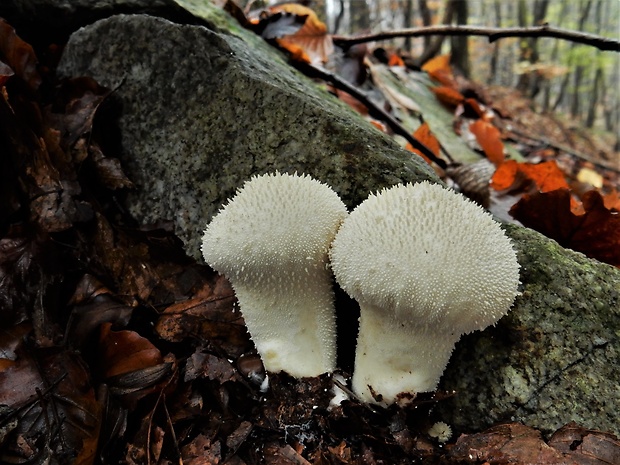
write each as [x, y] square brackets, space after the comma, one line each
[5, 73]
[395, 60]
[125, 351]
[426, 137]
[586, 446]
[448, 95]
[48, 395]
[439, 69]
[591, 177]
[512, 443]
[281, 24]
[311, 41]
[595, 233]
[612, 200]
[19, 56]
[490, 140]
[512, 176]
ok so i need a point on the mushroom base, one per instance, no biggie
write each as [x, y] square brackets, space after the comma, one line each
[292, 322]
[394, 359]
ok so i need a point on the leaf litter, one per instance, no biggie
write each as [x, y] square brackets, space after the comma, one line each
[116, 347]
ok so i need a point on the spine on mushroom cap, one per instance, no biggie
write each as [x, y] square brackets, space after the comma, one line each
[426, 261]
[271, 240]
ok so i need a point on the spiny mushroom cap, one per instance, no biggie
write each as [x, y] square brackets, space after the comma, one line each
[428, 256]
[274, 221]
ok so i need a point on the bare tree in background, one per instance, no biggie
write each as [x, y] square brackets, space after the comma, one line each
[529, 82]
[459, 57]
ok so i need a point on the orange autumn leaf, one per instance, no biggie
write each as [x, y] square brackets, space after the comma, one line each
[296, 52]
[395, 60]
[490, 140]
[439, 69]
[448, 95]
[312, 38]
[511, 175]
[596, 232]
[426, 137]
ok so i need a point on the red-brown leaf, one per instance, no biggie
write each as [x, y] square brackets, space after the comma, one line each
[596, 233]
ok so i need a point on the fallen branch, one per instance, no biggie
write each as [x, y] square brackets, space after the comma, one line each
[493, 33]
[374, 110]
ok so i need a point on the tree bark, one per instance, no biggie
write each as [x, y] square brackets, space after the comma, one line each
[529, 82]
[497, 6]
[585, 10]
[435, 43]
[459, 45]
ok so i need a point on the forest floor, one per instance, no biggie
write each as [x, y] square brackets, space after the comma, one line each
[138, 353]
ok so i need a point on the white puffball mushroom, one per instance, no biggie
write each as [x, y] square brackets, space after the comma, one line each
[426, 265]
[271, 241]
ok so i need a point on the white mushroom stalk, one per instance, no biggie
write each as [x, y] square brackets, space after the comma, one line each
[271, 241]
[426, 265]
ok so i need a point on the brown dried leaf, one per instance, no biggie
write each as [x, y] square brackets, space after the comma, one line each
[74, 112]
[586, 446]
[125, 351]
[311, 39]
[109, 170]
[210, 315]
[94, 305]
[511, 443]
[49, 394]
[204, 365]
[19, 56]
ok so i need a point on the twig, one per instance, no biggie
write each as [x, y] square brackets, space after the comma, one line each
[568, 150]
[373, 109]
[493, 33]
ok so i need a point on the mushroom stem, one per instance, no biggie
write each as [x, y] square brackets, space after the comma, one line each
[272, 242]
[306, 339]
[383, 365]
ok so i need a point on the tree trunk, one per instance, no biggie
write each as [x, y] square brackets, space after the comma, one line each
[459, 44]
[599, 80]
[427, 20]
[497, 6]
[435, 44]
[585, 9]
[408, 18]
[529, 82]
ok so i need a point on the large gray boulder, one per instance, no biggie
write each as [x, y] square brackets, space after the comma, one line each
[202, 111]
[554, 358]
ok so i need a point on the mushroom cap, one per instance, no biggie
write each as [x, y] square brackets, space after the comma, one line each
[427, 256]
[274, 221]
[271, 241]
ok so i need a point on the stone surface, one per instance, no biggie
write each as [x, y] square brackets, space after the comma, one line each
[555, 357]
[202, 111]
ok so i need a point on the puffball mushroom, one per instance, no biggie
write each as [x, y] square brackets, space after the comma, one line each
[426, 265]
[271, 241]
